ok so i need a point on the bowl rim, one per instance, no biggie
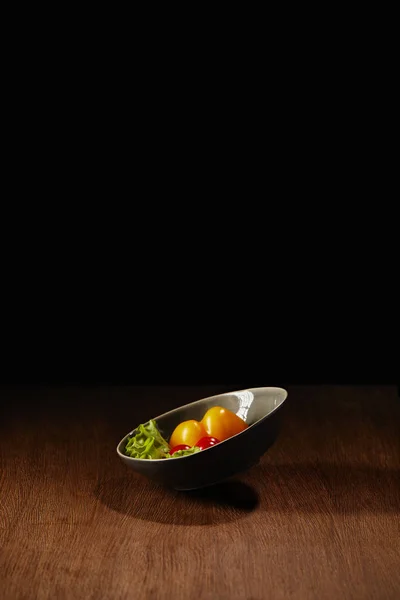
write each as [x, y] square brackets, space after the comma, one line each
[162, 460]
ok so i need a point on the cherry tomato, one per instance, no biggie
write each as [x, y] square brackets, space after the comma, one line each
[179, 447]
[187, 433]
[222, 423]
[207, 442]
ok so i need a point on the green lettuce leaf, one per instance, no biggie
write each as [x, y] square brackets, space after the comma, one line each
[179, 453]
[147, 443]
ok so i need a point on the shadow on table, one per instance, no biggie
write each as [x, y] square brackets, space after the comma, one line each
[286, 488]
[140, 498]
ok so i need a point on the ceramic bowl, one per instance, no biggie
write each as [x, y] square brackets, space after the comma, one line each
[259, 407]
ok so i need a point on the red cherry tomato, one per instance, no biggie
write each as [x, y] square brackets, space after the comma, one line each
[207, 442]
[179, 447]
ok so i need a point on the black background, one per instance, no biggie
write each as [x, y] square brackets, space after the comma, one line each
[241, 260]
[64, 338]
[165, 298]
[184, 301]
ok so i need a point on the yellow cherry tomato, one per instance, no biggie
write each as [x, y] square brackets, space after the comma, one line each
[222, 423]
[188, 432]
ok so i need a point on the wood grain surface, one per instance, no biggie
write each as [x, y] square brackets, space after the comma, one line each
[318, 518]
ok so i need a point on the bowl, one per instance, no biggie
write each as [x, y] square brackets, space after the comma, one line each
[259, 407]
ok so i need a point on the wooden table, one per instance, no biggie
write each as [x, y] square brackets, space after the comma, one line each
[318, 518]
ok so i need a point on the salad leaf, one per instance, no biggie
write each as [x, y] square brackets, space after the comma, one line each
[179, 453]
[147, 443]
